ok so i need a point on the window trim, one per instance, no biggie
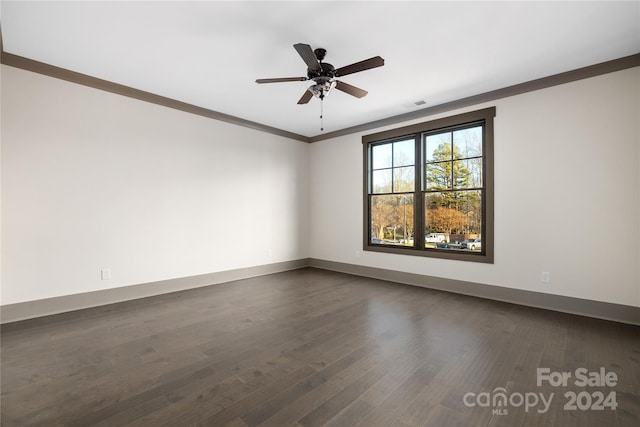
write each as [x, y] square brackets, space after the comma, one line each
[485, 115]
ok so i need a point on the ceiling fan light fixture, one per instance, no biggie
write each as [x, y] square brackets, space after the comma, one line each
[322, 89]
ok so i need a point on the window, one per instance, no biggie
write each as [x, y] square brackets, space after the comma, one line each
[429, 188]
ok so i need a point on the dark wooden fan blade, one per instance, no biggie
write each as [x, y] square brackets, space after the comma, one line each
[367, 64]
[282, 79]
[351, 90]
[305, 51]
[306, 97]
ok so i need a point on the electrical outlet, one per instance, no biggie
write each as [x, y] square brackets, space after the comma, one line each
[105, 274]
[545, 277]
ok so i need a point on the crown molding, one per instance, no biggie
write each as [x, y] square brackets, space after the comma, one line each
[533, 85]
[530, 86]
[105, 85]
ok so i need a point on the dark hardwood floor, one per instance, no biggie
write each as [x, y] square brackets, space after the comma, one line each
[312, 348]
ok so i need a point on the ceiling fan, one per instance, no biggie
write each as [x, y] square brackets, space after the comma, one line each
[324, 74]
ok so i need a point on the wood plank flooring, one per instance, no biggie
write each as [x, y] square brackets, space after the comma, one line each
[313, 348]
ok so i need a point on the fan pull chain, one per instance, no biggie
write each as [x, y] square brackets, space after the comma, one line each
[321, 114]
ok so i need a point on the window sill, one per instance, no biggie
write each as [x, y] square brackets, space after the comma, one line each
[449, 254]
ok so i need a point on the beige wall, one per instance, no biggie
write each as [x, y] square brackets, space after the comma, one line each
[93, 180]
[567, 183]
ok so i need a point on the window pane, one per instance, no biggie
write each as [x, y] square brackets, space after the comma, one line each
[381, 156]
[453, 218]
[438, 147]
[467, 143]
[392, 220]
[381, 181]
[438, 176]
[403, 179]
[462, 173]
[468, 173]
[404, 153]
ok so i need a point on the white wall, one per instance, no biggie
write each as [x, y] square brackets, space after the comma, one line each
[567, 172]
[92, 180]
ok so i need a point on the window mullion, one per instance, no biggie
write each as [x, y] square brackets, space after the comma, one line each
[393, 168]
[418, 198]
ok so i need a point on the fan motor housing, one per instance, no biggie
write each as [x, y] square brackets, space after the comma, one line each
[326, 70]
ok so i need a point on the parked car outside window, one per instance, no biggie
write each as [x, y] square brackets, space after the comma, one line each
[475, 244]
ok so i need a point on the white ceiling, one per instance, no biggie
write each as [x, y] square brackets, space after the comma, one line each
[209, 53]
